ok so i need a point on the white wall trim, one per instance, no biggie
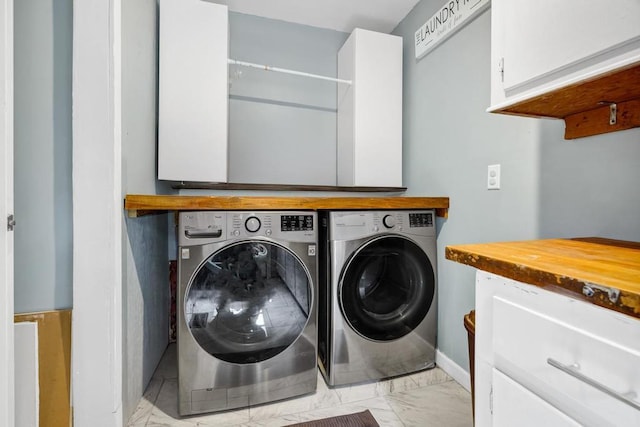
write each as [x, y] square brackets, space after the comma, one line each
[7, 402]
[97, 356]
[454, 370]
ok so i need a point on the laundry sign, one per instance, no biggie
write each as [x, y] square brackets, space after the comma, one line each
[452, 16]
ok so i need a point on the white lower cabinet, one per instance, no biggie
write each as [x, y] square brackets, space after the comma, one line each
[544, 358]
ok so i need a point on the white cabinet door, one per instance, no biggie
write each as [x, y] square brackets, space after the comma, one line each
[514, 405]
[370, 110]
[193, 91]
[544, 44]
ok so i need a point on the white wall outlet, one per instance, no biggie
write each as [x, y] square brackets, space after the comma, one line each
[493, 177]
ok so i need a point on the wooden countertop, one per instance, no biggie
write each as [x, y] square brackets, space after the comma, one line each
[138, 205]
[608, 267]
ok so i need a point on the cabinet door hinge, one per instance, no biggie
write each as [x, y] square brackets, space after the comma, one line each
[11, 222]
[501, 69]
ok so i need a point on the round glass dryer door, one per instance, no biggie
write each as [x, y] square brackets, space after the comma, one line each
[248, 302]
[387, 288]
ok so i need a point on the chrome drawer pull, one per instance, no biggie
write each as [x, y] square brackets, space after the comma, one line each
[573, 371]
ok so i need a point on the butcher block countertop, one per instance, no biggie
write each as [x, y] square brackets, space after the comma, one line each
[602, 271]
[138, 205]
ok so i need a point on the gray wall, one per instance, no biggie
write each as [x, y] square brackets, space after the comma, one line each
[145, 264]
[589, 186]
[550, 187]
[42, 162]
[449, 140]
[282, 128]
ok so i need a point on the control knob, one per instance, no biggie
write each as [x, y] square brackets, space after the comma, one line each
[252, 224]
[389, 221]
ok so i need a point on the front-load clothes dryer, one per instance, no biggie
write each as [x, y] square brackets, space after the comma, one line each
[377, 315]
[247, 327]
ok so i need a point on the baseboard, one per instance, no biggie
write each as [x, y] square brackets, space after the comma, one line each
[454, 370]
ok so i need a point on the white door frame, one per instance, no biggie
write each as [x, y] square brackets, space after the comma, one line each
[7, 408]
[97, 352]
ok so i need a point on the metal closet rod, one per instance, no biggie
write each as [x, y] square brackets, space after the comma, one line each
[286, 71]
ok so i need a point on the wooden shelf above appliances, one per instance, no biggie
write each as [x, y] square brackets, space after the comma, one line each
[139, 205]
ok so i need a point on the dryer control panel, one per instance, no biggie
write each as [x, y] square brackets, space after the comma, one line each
[423, 219]
[357, 224]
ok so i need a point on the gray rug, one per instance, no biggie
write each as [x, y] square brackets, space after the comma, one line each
[359, 419]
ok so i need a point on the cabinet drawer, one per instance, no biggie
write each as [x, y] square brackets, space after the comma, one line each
[514, 405]
[528, 341]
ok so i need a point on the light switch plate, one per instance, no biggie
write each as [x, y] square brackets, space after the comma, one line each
[493, 177]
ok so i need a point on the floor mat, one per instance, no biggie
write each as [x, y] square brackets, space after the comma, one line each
[359, 419]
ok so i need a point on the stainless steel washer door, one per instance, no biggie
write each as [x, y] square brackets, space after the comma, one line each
[248, 301]
[386, 288]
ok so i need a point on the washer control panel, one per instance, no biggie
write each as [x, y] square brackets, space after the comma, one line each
[252, 224]
[296, 222]
[389, 221]
[202, 227]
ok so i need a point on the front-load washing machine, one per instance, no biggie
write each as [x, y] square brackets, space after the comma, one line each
[247, 327]
[377, 312]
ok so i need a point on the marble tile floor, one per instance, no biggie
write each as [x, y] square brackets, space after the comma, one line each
[424, 399]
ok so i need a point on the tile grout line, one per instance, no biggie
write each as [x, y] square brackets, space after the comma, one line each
[395, 412]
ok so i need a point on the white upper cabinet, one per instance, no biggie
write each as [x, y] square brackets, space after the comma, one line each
[193, 91]
[370, 110]
[544, 45]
